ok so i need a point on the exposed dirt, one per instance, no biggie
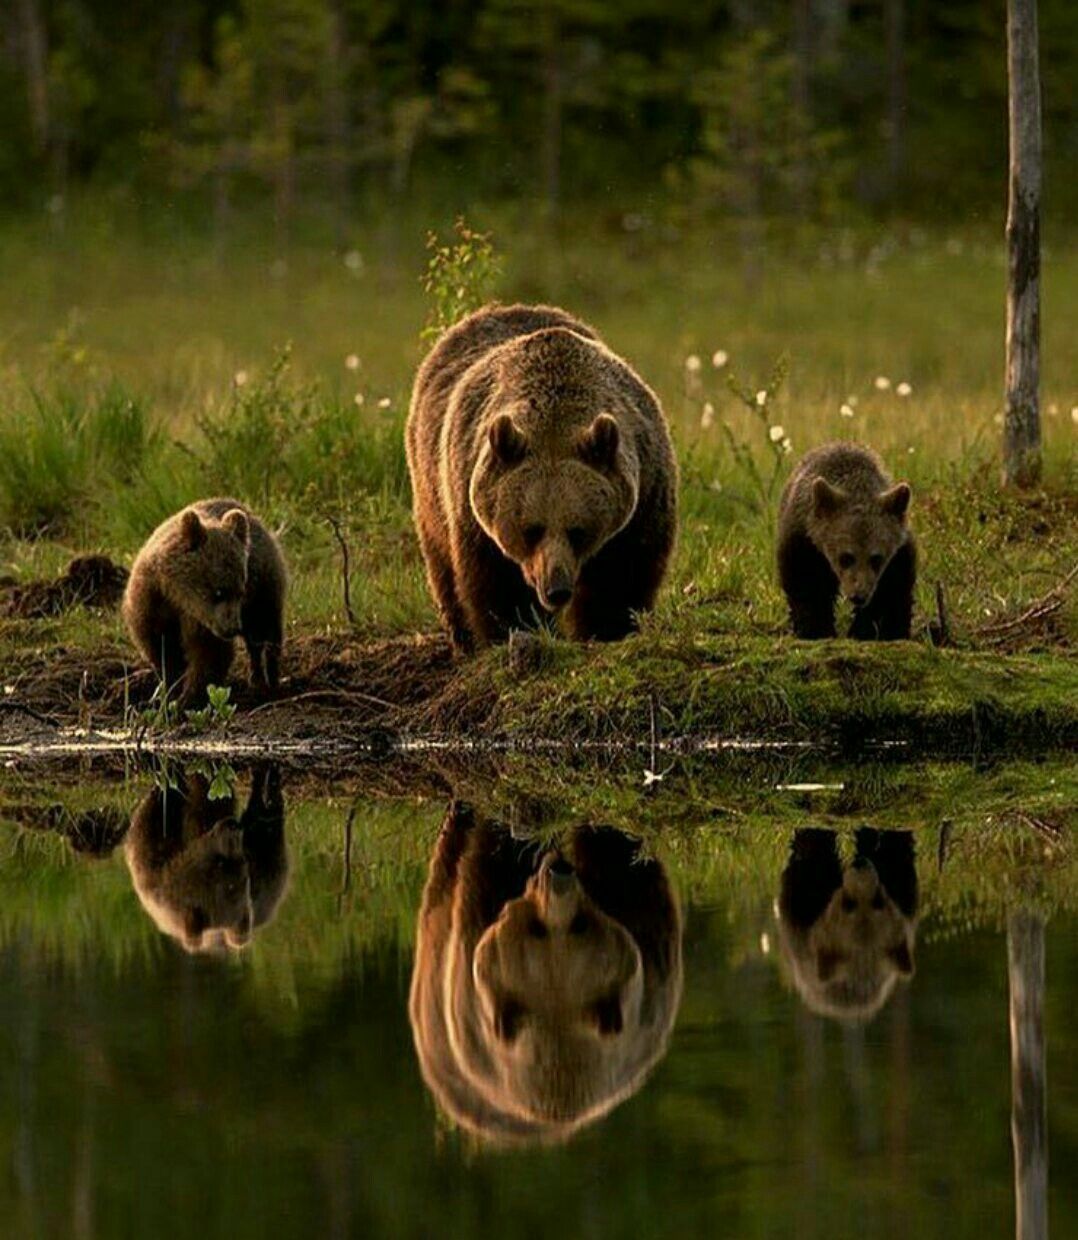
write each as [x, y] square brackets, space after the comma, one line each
[88, 581]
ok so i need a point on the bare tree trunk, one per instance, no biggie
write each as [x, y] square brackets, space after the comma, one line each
[896, 94]
[801, 91]
[1029, 1124]
[336, 118]
[552, 110]
[35, 58]
[1021, 422]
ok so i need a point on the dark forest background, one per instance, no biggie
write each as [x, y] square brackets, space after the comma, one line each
[806, 108]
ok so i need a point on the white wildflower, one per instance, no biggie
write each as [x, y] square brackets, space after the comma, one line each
[384, 403]
[240, 378]
[776, 434]
[1074, 415]
[787, 446]
[359, 398]
[998, 419]
[692, 364]
[719, 358]
[765, 943]
[353, 260]
[653, 777]
[846, 410]
[1053, 409]
[851, 401]
[761, 397]
[903, 389]
[707, 415]
[910, 449]
[351, 362]
[882, 383]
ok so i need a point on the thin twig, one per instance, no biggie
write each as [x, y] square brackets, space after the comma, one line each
[1044, 606]
[346, 570]
[28, 710]
[347, 694]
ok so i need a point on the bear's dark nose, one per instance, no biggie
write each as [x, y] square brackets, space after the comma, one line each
[557, 598]
[858, 600]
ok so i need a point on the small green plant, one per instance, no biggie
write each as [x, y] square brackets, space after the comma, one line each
[460, 276]
[218, 710]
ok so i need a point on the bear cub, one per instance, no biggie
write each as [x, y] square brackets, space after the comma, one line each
[842, 527]
[543, 475]
[208, 575]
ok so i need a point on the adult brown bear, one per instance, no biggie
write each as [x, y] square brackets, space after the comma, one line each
[546, 981]
[543, 478]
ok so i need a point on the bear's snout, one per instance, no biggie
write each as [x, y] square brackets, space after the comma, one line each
[555, 588]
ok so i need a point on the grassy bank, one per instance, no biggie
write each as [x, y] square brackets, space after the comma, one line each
[150, 371]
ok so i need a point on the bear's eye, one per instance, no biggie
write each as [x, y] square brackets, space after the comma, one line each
[219, 595]
[580, 924]
[536, 929]
[578, 538]
[848, 904]
[878, 901]
[845, 560]
[533, 536]
[876, 561]
[508, 1019]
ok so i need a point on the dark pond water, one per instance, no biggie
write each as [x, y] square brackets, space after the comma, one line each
[320, 1015]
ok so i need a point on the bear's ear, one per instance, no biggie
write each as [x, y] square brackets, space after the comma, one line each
[598, 446]
[507, 440]
[825, 497]
[895, 501]
[235, 521]
[192, 529]
[902, 958]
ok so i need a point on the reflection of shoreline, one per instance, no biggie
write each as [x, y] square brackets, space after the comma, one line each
[205, 877]
[1029, 1123]
[546, 980]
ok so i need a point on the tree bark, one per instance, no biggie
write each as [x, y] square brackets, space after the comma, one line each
[896, 95]
[1029, 1123]
[1021, 420]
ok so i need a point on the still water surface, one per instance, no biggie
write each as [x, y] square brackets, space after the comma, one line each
[298, 1014]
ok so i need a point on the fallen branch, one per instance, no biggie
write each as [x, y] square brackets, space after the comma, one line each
[29, 710]
[1037, 611]
[347, 695]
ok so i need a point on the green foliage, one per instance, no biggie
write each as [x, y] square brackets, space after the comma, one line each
[215, 714]
[460, 276]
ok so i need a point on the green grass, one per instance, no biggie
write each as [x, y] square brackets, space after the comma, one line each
[147, 372]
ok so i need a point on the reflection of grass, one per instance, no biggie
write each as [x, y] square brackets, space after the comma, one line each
[721, 828]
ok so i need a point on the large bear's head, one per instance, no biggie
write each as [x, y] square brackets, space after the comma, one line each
[858, 538]
[207, 878]
[207, 568]
[557, 475]
[847, 932]
[546, 982]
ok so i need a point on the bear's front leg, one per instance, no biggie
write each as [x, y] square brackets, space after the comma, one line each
[208, 659]
[810, 587]
[888, 615]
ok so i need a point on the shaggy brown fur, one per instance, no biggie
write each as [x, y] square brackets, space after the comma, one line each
[207, 878]
[546, 982]
[207, 575]
[543, 477]
[847, 932]
[842, 527]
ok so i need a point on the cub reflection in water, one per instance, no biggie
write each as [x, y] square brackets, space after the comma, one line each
[207, 878]
[546, 979]
[847, 931]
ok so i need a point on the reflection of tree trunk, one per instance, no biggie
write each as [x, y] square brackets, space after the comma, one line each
[895, 17]
[1021, 420]
[1029, 1133]
[552, 110]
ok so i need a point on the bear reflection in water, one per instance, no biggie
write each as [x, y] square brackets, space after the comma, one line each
[847, 931]
[546, 979]
[207, 878]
